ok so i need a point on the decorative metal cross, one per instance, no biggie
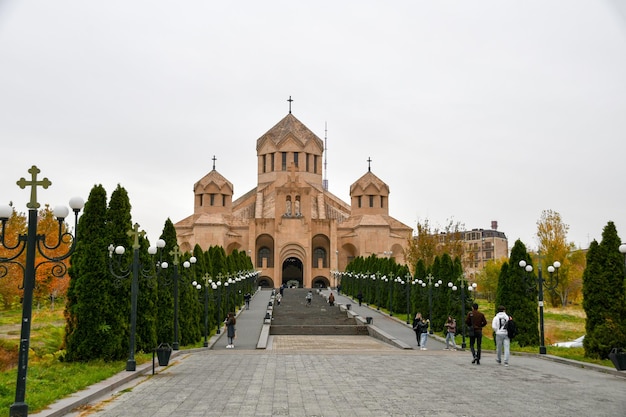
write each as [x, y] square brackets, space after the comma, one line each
[369, 162]
[290, 100]
[45, 183]
[136, 234]
[214, 159]
[175, 253]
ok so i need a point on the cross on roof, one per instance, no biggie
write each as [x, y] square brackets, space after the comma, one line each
[175, 253]
[369, 161]
[290, 100]
[135, 233]
[45, 183]
[214, 159]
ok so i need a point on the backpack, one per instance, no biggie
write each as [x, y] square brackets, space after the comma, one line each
[511, 329]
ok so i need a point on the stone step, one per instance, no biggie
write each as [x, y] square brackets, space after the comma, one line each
[294, 317]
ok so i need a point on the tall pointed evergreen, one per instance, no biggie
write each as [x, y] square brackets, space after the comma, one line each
[190, 311]
[517, 291]
[88, 326]
[604, 299]
[117, 227]
[165, 312]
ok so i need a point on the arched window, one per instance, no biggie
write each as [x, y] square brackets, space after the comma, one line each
[319, 253]
[264, 253]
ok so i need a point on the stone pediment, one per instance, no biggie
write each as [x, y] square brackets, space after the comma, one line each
[289, 131]
[214, 181]
[369, 183]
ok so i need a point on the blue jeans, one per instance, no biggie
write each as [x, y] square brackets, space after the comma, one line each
[423, 339]
[503, 341]
[450, 338]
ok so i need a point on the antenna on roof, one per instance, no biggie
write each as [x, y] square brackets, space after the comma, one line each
[325, 180]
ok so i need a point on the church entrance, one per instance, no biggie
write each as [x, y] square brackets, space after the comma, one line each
[292, 272]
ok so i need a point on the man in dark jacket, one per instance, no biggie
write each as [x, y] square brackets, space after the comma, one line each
[475, 322]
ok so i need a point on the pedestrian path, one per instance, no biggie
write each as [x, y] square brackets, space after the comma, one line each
[336, 376]
[249, 324]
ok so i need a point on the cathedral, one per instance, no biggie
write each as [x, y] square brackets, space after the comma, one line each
[295, 231]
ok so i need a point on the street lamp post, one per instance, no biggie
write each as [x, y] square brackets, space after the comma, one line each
[622, 250]
[176, 253]
[463, 282]
[549, 286]
[123, 272]
[217, 286]
[207, 283]
[430, 279]
[33, 243]
[389, 303]
[408, 281]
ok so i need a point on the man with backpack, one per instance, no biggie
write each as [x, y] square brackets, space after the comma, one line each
[501, 327]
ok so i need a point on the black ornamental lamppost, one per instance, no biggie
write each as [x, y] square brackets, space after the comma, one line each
[207, 283]
[408, 281]
[120, 272]
[550, 286]
[430, 279]
[217, 286]
[176, 253]
[463, 282]
[33, 243]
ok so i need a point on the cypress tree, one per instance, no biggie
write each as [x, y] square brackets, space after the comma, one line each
[119, 291]
[165, 311]
[604, 298]
[190, 312]
[517, 291]
[89, 322]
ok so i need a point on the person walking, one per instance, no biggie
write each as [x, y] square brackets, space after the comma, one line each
[420, 327]
[309, 298]
[475, 321]
[279, 298]
[247, 299]
[450, 333]
[230, 330]
[331, 299]
[359, 297]
[498, 324]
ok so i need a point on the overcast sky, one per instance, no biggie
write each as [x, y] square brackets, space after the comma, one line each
[471, 111]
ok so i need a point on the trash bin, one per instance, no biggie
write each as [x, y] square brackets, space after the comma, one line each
[618, 357]
[369, 320]
[164, 351]
[348, 306]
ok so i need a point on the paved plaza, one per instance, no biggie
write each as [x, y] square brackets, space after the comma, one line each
[358, 376]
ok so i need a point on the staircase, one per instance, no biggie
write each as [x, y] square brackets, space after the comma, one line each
[294, 317]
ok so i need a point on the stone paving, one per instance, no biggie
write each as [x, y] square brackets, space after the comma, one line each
[314, 376]
[384, 382]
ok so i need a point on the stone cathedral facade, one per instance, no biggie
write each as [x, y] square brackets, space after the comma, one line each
[295, 231]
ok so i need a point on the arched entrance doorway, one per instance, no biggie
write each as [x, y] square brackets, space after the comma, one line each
[292, 272]
[265, 282]
[320, 282]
